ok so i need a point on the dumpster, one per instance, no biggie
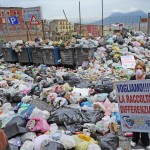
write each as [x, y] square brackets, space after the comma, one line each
[51, 56]
[37, 55]
[83, 54]
[67, 56]
[9, 54]
[25, 55]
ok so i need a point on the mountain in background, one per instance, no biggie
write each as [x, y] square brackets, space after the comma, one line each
[126, 18]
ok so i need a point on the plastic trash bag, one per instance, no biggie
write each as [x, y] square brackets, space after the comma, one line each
[91, 116]
[82, 144]
[102, 42]
[74, 80]
[60, 102]
[104, 86]
[117, 115]
[37, 124]
[93, 146]
[85, 84]
[67, 141]
[51, 145]
[74, 118]
[100, 97]
[109, 142]
[27, 145]
[28, 136]
[15, 126]
[112, 96]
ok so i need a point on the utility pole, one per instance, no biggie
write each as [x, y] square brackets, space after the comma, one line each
[148, 26]
[140, 24]
[80, 17]
[102, 19]
[43, 30]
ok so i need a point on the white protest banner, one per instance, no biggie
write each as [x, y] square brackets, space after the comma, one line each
[128, 61]
[29, 12]
[134, 105]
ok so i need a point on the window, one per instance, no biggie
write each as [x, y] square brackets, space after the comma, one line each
[5, 29]
[18, 28]
[3, 20]
[16, 13]
[60, 23]
[2, 12]
[69, 27]
[8, 13]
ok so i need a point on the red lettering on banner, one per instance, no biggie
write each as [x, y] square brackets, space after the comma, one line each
[135, 109]
[127, 99]
[123, 100]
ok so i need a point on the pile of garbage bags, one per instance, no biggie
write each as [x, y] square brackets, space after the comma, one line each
[49, 107]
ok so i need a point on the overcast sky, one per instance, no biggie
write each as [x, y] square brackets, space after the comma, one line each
[90, 9]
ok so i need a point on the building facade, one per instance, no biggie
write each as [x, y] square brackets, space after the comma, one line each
[5, 13]
[94, 30]
[61, 26]
[10, 32]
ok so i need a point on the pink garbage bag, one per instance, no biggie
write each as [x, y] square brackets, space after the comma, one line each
[37, 124]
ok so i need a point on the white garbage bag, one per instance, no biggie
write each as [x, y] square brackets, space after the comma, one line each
[67, 141]
[93, 146]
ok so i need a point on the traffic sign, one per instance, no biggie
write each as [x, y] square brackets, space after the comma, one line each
[28, 12]
[13, 20]
[34, 20]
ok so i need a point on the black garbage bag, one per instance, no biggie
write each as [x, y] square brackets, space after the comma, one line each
[73, 127]
[104, 86]
[20, 121]
[38, 79]
[67, 115]
[44, 84]
[85, 84]
[52, 145]
[91, 116]
[119, 40]
[73, 80]
[62, 94]
[3, 98]
[36, 90]
[108, 50]
[108, 57]
[115, 60]
[15, 126]
[15, 98]
[109, 142]
[73, 119]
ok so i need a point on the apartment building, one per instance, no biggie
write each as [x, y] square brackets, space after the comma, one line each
[61, 26]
